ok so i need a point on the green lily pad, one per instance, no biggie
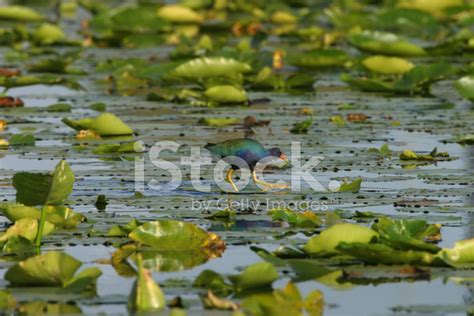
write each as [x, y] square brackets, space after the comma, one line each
[326, 243]
[45, 189]
[383, 254]
[146, 294]
[226, 94]
[22, 140]
[257, 276]
[26, 228]
[54, 269]
[461, 255]
[106, 124]
[179, 14]
[208, 67]
[58, 215]
[384, 43]
[20, 13]
[219, 121]
[406, 234]
[318, 58]
[213, 281]
[133, 147]
[7, 301]
[302, 127]
[353, 186]
[123, 230]
[175, 236]
[287, 300]
[387, 65]
[47, 34]
[465, 87]
[297, 219]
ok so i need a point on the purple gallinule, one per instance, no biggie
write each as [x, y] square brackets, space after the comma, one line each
[251, 151]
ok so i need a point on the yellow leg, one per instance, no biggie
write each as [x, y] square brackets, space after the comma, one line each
[228, 178]
[269, 185]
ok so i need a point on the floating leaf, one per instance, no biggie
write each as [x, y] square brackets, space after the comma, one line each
[219, 121]
[47, 34]
[406, 234]
[207, 67]
[383, 254]
[297, 219]
[133, 147]
[176, 236]
[260, 275]
[123, 230]
[465, 87]
[60, 216]
[22, 140]
[59, 107]
[433, 155]
[7, 301]
[45, 189]
[213, 281]
[353, 186]
[106, 124]
[226, 94]
[384, 43]
[146, 294]
[211, 301]
[179, 14]
[287, 300]
[302, 127]
[26, 228]
[433, 7]
[338, 120]
[325, 244]
[39, 307]
[461, 255]
[54, 269]
[21, 13]
[387, 65]
[466, 140]
[20, 81]
[384, 151]
[318, 58]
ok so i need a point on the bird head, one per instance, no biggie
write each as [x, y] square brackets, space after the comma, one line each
[276, 152]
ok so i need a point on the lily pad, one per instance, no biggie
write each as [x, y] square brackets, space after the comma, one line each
[461, 255]
[318, 58]
[465, 87]
[257, 276]
[226, 94]
[53, 269]
[176, 236]
[20, 13]
[58, 215]
[146, 294]
[387, 65]
[45, 189]
[297, 219]
[208, 67]
[326, 243]
[106, 124]
[384, 43]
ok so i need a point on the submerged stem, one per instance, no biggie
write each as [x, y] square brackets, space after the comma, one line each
[39, 235]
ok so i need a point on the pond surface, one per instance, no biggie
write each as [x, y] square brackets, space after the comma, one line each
[389, 186]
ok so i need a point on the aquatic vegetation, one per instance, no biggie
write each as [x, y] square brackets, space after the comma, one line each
[356, 93]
